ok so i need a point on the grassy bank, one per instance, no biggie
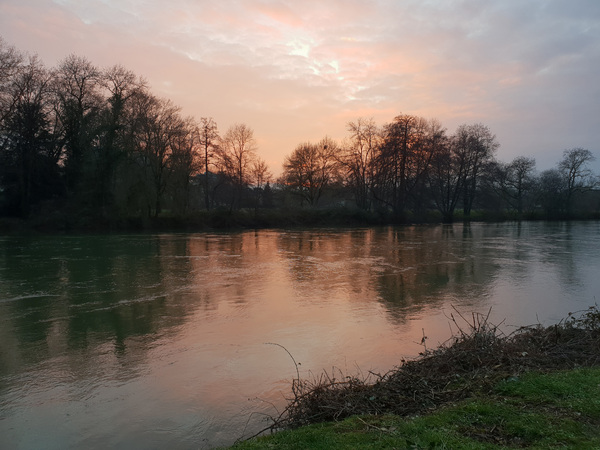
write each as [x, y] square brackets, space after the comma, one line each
[536, 410]
[537, 388]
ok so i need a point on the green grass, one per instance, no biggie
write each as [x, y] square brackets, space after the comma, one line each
[554, 410]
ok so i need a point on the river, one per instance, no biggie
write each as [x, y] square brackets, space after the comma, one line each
[182, 340]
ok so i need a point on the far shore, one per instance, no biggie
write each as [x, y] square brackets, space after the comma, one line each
[224, 219]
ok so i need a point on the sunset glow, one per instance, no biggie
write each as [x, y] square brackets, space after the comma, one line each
[298, 71]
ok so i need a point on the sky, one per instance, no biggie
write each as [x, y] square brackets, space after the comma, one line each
[297, 71]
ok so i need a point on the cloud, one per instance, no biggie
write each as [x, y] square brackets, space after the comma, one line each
[296, 71]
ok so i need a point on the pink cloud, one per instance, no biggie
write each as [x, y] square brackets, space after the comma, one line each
[296, 71]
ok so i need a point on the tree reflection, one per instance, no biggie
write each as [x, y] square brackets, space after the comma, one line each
[405, 269]
[71, 295]
[76, 293]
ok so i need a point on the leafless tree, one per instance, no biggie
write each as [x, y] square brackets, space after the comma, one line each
[77, 86]
[184, 163]
[446, 178]
[209, 140]
[404, 161]
[551, 192]
[29, 155]
[475, 145]
[519, 181]
[11, 63]
[159, 127]
[310, 169]
[260, 173]
[237, 152]
[260, 176]
[578, 177]
[120, 85]
[358, 159]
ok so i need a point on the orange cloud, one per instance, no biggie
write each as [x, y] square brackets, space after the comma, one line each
[298, 71]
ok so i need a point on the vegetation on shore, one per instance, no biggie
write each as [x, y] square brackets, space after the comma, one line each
[222, 220]
[537, 410]
[88, 148]
[535, 388]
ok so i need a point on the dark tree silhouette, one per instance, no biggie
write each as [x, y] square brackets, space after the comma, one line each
[237, 152]
[310, 169]
[29, 155]
[576, 174]
[209, 141]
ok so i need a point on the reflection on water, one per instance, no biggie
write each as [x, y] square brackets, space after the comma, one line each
[154, 341]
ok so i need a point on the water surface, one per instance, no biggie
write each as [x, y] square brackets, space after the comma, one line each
[174, 340]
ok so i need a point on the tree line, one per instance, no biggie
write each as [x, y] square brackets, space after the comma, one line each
[412, 166]
[96, 143]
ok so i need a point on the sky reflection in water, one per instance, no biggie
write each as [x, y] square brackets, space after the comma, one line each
[163, 340]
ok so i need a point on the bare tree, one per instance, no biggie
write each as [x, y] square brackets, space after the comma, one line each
[395, 161]
[476, 146]
[519, 181]
[358, 159]
[77, 88]
[551, 192]
[404, 161]
[121, 85]
[11, 63]
[159, 126]
[236, 153]
[309, 170]
[435, 141]
[209, 140]
[184, 163]
[446, 178]
[29, 156]
[260, 173]
[578, 177]
[260, 176]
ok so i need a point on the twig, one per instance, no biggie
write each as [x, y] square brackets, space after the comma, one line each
[368, 425]
[288, 352]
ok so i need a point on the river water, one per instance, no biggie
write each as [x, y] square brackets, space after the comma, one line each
[182, 340]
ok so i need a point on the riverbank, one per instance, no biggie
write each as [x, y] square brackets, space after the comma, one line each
[224, 219]
[535, 388]
[215, 220]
